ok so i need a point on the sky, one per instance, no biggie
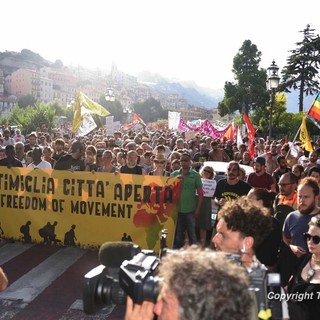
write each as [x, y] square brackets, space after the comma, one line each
[180, 39]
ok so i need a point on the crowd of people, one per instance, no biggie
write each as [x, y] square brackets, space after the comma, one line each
[270, 215]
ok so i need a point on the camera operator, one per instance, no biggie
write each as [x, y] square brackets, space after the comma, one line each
[197, 284]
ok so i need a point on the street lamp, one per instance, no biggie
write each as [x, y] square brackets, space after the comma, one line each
[109, 95]
[272, 84]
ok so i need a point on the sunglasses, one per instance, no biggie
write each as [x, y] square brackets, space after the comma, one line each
[308, 237]
[161, 162]
[208, 171]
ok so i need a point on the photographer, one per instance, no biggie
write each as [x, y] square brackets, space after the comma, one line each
[197, 284]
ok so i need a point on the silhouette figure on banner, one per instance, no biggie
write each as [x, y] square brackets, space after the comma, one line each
[70, 237]
[47, 232]
[1, 231]
[126, 237]
[25, 230]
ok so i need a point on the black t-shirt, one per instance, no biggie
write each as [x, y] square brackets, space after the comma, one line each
[69, 163]
[268, 251]
[231, 192]
[13, 163]
[56, 156]
[135, 170]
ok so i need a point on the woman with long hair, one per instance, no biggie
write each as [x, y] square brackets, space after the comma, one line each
[304, 287]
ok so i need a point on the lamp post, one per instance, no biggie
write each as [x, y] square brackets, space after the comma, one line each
[272, 84]
[109, 95]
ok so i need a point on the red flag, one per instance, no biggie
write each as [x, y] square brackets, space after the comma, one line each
[137, 119]
[314, 110]
[251, 132]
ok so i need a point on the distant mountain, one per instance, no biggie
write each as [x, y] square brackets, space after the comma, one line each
[190, 91]
[207, 97]
[11, 61]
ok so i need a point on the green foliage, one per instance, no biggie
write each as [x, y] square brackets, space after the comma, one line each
[25, 101]
[32, 117]
[249, 92]
[283, 123]
[301, 71]
[114, 107]
[58, 64]
[150, 110]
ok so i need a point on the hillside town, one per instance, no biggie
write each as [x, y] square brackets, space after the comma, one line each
[49, 82]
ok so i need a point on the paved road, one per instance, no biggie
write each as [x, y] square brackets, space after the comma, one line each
[46, 283]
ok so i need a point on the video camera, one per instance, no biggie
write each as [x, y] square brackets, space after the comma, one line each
[133, 272]
[125, 270]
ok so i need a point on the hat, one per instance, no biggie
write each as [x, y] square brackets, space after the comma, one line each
[261, 160]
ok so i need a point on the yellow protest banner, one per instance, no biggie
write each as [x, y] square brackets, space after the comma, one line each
[87, 209]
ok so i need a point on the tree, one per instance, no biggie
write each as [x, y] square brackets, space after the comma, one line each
[249, 92]
[258, 117]
[114, 107]
[150, 110]
[25, 101]
[58, 64]
[32, 117]
[301, 69]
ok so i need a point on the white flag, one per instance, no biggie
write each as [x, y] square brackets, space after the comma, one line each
[87, 125]
[173, 120]
[239, 138]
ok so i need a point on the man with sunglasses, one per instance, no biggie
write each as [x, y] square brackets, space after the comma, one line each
[296, 224]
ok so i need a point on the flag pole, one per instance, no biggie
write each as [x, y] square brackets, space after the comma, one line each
[297, 133]
[294, 139]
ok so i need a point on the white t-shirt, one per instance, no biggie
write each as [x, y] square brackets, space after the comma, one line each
[42, 165]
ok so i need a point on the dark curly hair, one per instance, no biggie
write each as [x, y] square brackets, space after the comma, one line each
[207, 285]
[243, 216]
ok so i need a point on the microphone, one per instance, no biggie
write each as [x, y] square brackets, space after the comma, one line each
[112, 254]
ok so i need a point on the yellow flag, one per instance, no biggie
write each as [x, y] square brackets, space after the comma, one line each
[83, 105]
[304, 136]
